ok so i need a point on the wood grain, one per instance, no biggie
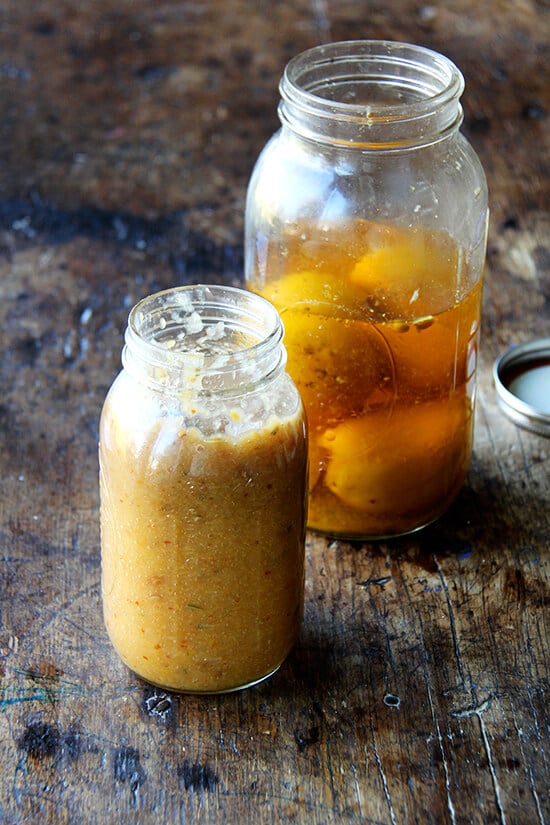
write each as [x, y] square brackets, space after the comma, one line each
[418, 692]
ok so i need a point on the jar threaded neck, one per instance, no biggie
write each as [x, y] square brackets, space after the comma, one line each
[371, 94]
[207, 339]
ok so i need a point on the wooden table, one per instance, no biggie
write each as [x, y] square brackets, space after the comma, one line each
[418, 692]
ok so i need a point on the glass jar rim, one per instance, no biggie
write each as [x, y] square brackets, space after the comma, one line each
[155, 321]
[425, 88]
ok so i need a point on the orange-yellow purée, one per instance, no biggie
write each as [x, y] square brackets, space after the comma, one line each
[381, 327]
[202, 550]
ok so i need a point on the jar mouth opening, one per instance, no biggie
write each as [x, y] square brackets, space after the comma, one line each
[193, 331]
[381, 79]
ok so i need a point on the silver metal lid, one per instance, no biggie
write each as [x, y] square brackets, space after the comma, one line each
[522, 381]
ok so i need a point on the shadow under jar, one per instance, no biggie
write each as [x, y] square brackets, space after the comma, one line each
[366, 224]
[203, 481]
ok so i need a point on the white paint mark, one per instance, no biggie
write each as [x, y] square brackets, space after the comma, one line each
[85, 315]
[450, 806]
[357, 790]
[523, 263]
[320, 14]
[494, 777]
[383, 777]
[535, 796]
[472, 711]
[452, 625]
[528, 770]
[479, 710]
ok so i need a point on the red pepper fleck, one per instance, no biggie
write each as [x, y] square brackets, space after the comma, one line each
[267, 573]
[157, 647]
[167, 541]
[136, 602]
[146, 657]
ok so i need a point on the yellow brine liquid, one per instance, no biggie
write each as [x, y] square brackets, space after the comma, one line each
[381, 328]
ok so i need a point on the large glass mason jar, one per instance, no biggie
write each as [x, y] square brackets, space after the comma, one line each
[366, 222]
[203, 481]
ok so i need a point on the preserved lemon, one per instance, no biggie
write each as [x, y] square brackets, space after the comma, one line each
[381, 327]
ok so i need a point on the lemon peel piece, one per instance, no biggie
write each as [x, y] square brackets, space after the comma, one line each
[399, 460]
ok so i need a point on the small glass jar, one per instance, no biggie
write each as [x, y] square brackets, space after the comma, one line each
[366, 223]
[203, 481]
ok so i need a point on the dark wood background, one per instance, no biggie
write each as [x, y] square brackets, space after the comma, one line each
[419, 690]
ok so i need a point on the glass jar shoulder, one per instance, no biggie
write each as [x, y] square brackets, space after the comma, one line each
[297, 179]
[291, 177]
[155, 454]
[134, 415]
[130, 413]
[471, 178]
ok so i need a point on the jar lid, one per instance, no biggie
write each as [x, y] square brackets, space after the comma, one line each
[522, 381]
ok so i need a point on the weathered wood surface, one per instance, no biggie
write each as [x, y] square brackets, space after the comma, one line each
[419, 690]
